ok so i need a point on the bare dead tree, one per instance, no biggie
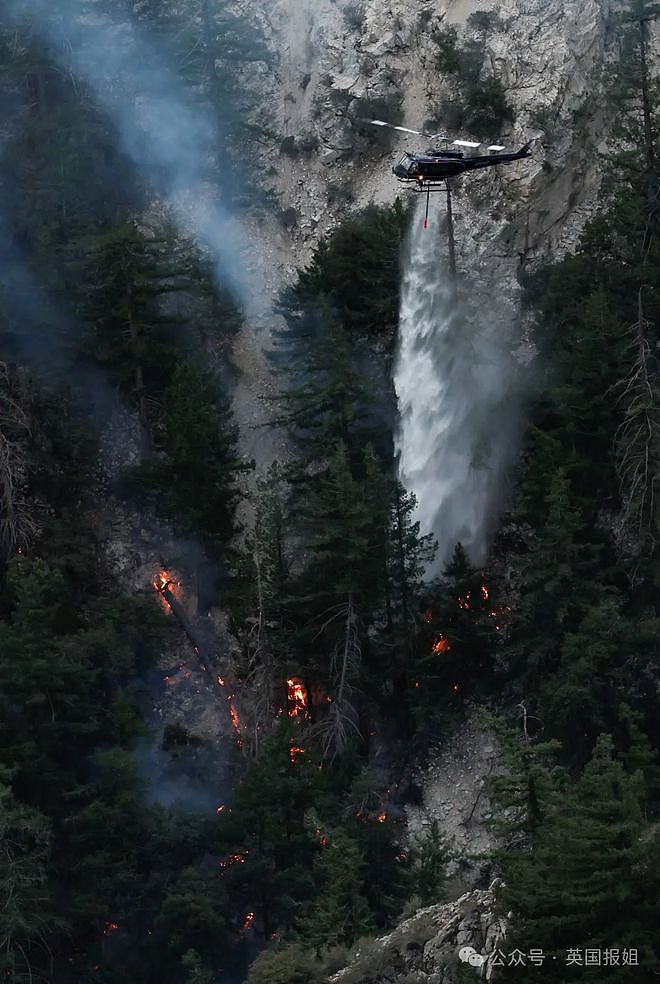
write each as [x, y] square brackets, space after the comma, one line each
[340, 723]
[637, 440]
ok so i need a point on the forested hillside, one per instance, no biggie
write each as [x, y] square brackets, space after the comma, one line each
[349, 664]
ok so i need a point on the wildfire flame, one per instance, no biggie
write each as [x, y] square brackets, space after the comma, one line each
[235, 720]
[382, 817]
[249, 919]
[166, 581]
[297, 697]
[321, 837]
[295, 751]
[442, 645]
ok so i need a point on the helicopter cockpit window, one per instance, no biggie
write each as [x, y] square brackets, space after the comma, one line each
[406, 163]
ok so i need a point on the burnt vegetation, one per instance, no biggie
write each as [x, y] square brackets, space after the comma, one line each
[342, 647]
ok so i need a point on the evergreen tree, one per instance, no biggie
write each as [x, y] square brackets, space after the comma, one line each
[267, 849]
[580, 885]
[197, 971]
[328, 400]
[198, 477]
[408, 556]
[432, 853]
[341, 913]
[357, 270]
[27, 913]
[289, 965]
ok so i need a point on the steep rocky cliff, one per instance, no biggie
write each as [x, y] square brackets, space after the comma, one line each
[335, 64]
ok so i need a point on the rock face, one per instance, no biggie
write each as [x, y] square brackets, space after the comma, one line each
[425, 948]
[454, 793]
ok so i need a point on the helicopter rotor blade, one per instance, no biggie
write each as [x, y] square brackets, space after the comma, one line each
[391, 126]
[437, 137]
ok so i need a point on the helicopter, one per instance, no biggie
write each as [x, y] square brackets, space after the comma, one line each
[429, 171]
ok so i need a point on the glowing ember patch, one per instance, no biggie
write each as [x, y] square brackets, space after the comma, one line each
[249, 919]
[235, 720]
[455, 688]
[221, 681]
[428, 615]
[231, 859]
[442, 645]
[297, 698]
[464, 602]
[382, 817]
[110, 927]
[295, 752]
[221, 808]
[484, 592]
[417, 684]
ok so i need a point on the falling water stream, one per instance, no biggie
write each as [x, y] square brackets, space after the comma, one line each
[456, 385]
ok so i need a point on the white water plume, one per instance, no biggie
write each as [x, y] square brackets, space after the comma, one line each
[457, 390]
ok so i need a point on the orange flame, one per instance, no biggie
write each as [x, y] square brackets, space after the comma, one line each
[297, 697]
[484, 592]
[382, 817]
[442, 645]
[295, 751]
[249, 919]
[235, 720]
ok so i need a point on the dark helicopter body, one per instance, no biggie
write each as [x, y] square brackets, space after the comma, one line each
[435, 166]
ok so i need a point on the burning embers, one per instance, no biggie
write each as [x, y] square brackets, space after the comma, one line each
[295, 751]
[442, 645]
[297, 698]
[231, 859]
[167, 586]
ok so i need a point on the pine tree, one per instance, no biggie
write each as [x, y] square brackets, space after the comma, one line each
[198, 477]
[579, 887]
[557, 580]
[432, 853]
[357, 270]
[341, 913]
[27, 916]
[328, 400]
[289, 965]
[197, 971]
[408, 555]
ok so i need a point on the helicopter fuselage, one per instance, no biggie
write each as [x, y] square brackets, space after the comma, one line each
[434, 167]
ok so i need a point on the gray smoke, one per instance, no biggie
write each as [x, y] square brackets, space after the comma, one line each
[161, 128]
[459, 396]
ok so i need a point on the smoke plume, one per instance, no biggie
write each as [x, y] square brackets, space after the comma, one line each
[162, 129]
[458, 394]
